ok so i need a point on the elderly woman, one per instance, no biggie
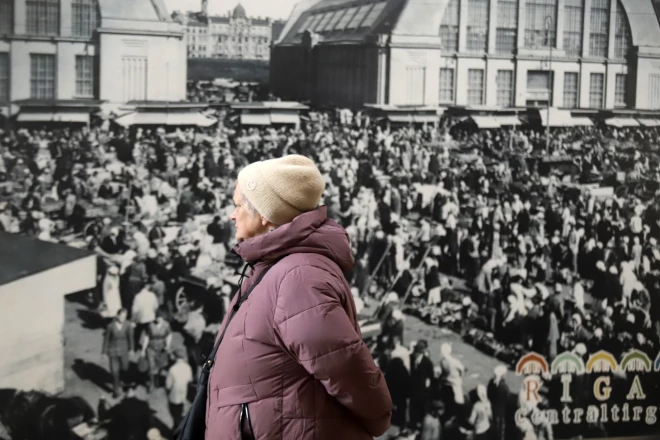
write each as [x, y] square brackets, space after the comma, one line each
[291, 362]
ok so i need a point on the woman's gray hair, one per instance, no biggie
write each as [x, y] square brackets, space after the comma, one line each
[248, 206]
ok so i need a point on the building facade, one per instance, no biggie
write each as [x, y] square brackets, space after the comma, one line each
[232, 36]
[107, 50]
[573, 54]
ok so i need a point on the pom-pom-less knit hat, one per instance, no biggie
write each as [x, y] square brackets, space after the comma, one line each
[282, 189]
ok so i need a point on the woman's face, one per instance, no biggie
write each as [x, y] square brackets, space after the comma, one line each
[248, 224]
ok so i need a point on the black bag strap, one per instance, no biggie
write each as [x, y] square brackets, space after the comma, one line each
[239, 301]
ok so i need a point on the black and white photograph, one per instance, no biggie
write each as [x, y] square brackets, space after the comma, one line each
[329, 219]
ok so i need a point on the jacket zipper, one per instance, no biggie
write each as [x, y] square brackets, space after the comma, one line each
[245, 416]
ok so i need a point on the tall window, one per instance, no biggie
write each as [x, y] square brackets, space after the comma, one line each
[535, 32]
[42, 76]
[505, 88]
[573, 24]
[43, 17]
[570, 90]
[621, 33]
[416, 84]
[84, 76]
[506, 38]
[446, 85]
[477, 29]
[6, 17]
[596, 85]
[600, 25]
[620, 90]
[449, 26]
[84, 15]
[475, 87]
[4, 77]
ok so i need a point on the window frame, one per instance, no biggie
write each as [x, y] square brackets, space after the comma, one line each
[42, 17]
[451, 89]
[85, 83]
[471, 91]
[505, 96]
[39, 83]
[593, 92]
[574, 94]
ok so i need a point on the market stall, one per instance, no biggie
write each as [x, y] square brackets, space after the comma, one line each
[268, 113]
[172, 114]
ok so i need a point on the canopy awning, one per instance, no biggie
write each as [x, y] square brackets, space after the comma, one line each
[486, 122]
[508, 120]
[197, 119]
[81, 117]
[558, 118]
[404, 119]
[649, 122]
[163, 118]
[255, 119]
[582, 121]
[426, 119]
[284, 118]
[621, 122]
[35, 117]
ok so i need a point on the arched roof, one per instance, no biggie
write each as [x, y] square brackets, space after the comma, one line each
[239, 12]
[643, 20]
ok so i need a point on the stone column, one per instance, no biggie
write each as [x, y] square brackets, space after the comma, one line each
[462, 26]
[521, 23]
[492, 26]
[559, 25]
[612, 29]
[586, 28]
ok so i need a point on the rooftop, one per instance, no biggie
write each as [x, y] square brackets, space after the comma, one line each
[344, 20]
[23, 256]
[140, 10]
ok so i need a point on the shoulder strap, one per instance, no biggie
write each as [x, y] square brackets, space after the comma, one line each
[211, 359]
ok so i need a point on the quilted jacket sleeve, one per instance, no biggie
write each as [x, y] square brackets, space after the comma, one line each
[316, 329]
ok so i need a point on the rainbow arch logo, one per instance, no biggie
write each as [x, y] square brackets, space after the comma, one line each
[601, 362]
[532, 363]
[568, 363]
[636, 361]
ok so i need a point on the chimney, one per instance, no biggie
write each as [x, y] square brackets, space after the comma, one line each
[205, 8]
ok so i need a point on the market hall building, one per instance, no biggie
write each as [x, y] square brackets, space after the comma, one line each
[571, 54]
[59, 59]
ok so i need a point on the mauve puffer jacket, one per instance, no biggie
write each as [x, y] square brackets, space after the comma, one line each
[294, 353]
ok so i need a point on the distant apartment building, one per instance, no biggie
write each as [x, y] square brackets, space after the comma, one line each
[232, 36]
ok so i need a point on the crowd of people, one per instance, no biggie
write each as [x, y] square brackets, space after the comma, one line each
[550, 263]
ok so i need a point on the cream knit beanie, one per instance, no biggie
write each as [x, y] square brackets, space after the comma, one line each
[281, 189]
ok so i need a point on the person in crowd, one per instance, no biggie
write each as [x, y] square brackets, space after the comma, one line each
[421, 377]
[397, 375]
[482, 415]
[178, 379]
[131, 418]
[304, 312]
[111, 295]
[193, 331]
[432, 425]
[498, 395]
[118, 347]
[145, 308]
[156, 345]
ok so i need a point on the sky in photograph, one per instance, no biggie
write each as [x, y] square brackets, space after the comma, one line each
[279, 9]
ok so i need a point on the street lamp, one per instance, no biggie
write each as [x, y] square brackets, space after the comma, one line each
[550, 43]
